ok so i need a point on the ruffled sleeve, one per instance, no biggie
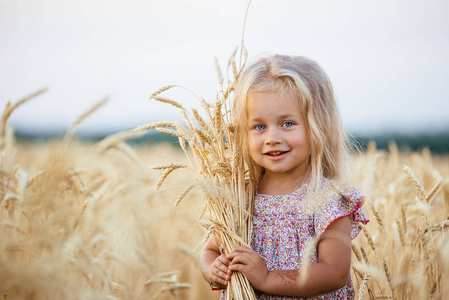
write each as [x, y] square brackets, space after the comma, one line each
[346, 203]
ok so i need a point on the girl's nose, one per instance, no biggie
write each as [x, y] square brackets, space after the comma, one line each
[272, 136]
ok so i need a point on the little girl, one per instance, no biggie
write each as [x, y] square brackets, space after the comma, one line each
[292, 140]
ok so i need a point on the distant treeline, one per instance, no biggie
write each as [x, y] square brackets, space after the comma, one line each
[437, 143]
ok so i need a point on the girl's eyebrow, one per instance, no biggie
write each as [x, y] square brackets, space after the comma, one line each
[255, 119]
[284, 116]
[289, 115]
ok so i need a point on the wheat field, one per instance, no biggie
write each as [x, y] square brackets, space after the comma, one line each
[85, 220]
[82, 222]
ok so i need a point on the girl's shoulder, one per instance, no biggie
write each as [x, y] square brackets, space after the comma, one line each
[340, 190]
[339, 199]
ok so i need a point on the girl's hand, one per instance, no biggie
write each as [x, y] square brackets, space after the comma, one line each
[249, 263]
[219, 272]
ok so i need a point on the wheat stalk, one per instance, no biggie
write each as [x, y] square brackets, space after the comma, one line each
[218, 71]
[401, 232]
[161, 90]
[11, 107]
[377, 216]
[363, 286]
[169, 101]
[369, 238]
[434, 191]
[87, 113]
[404, 219]
[183, 194]
[116, 138]
[154, 125]
[415, 181]
[388, 275]
[356, 251]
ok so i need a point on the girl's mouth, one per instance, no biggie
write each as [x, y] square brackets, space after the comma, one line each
[275, 153]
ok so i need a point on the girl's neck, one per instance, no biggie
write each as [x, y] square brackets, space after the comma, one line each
[276, 184]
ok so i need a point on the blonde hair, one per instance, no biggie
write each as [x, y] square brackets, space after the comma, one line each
[311, 86]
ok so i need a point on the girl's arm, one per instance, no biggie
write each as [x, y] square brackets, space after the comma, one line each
[330, 273]
[216, 264]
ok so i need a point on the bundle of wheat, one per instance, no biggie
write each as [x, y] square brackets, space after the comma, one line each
[217, 166]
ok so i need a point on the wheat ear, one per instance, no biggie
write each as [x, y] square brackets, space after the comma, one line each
[117, 138]
[377, 216]
[11, 107]
[434, 191]
[162, 124]
[88, 112]
[183, 194]
[218, 71]
[415, 181]
[388, 275]
[161, 90]
[168, 170]
[363, 286]
[369, 238]
[169, 101]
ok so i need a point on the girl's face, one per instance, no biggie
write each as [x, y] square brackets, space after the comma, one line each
[277, 137]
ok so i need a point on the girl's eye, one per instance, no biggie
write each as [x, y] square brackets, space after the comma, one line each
[259, 127]
[288, 124]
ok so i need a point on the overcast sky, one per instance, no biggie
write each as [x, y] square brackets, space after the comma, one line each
[388, 59]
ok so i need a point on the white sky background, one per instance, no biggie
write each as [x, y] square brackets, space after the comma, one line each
[388, 59]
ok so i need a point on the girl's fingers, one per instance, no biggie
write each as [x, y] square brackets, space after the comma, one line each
[221, 277]
[220, 273]
[240, 262]
[223, 263]
[224, 260]
[238, 267]
[218, 281]
[231, 256]
[241, 252]
[242, 249]
[250, 264]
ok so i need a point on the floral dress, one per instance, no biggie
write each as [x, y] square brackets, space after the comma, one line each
[284, 225]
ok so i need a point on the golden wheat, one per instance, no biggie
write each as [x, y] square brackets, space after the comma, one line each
[411, 224]
[87, 221]
[88, 224]
[75, 224]
[11, 107]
